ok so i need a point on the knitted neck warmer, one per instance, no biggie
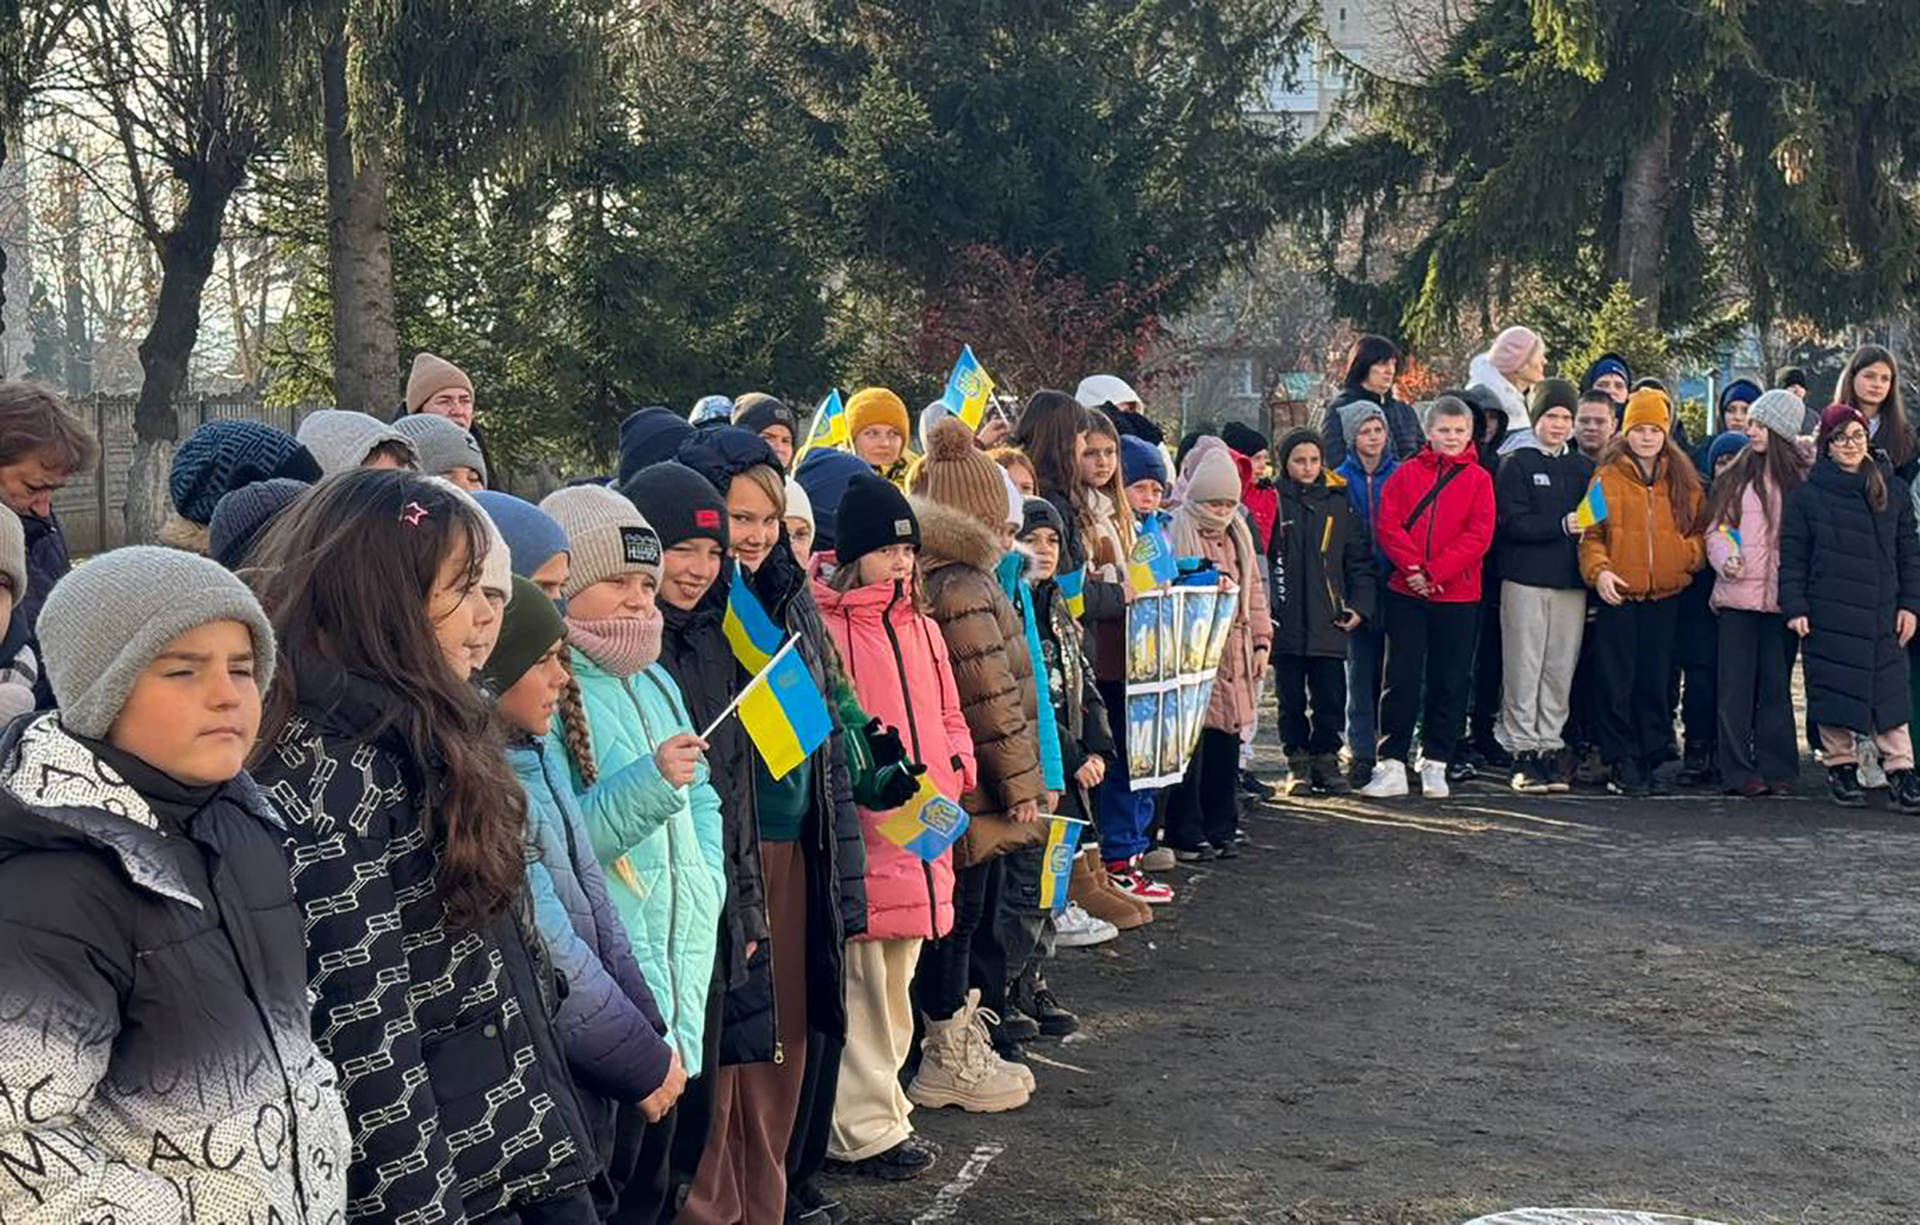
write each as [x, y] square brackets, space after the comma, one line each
[621, 645]
[1210, 519]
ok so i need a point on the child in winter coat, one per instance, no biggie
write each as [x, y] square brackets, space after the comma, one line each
[961, 508]
[877, 429]
[406, 836]
[1321, 573]
[1639, 559]
[19, 670]
[608, 1021]
[1435, 523]
[1205, 807]
[1850, 588]
[897, 662]
[1543, 603]
[640, 778]
[1369, 462]
[1757, 755]
[153, 947]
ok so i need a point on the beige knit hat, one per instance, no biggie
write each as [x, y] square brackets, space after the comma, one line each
[430, 375]
[958, 474]
[606, 536]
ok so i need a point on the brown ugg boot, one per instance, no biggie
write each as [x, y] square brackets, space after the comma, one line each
[1096, 895]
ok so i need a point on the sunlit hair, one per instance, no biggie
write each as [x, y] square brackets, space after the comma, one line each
[1777, 468]
[1895, 435]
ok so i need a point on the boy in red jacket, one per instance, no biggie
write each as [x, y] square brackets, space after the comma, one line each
[1434, 525]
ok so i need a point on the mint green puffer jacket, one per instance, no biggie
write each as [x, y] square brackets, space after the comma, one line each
[660, 845]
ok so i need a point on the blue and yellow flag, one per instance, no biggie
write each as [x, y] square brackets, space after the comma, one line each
[828, 428]
[1073, 589]
[969, 388]
[1063, 839]
[1153, 565]
[784, 713]
[927, 824]
[1592, 508]
[751, 632]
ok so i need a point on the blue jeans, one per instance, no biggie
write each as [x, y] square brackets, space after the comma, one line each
[1366, 648]
[1121, 815]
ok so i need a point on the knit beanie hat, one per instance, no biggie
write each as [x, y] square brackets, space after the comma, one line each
[1357, 414]
[1511, 349]
[825, 474]
[107, 619]
[1552, 393]
[342, 440]
[1140, 460]
[1098, 390]
[758, 411]
[532, 535]
[1779, 410]
[441, 445]
[1605, 364]
[710, 410]
[650, 436]
[221, 456]
[13, 555]
[430, 376]
[1037, 513]
[1130, 424]
[956, 473]
[1723, 445]
[873, 514]
[1647, 407]
[604, 533]
[528, 628]
[878, 406]
[1744, 390]
[799, 505]
[678, 503]
[244, 514]
[1293, 440]
[1243, 438]
[1213, 476]
[1833, 419]
[1790, 376]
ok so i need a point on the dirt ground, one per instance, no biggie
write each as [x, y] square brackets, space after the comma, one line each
[1413, 1013]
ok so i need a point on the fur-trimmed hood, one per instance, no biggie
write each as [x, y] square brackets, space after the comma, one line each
[949, 537]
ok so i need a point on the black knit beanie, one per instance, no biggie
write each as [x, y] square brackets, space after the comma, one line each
[678, 503]
[1243, 438]
[872, 515]
[1553, 393]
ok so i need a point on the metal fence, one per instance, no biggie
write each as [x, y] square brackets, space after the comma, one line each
[92, 508]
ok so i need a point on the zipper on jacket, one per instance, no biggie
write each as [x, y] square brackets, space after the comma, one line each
[673, 922]
[913, 738]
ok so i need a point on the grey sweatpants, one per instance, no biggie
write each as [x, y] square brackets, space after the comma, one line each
[1540, 632]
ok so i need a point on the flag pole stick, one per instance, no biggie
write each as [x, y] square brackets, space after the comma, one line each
[734, 705]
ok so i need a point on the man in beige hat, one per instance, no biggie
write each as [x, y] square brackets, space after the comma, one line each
[436, 387]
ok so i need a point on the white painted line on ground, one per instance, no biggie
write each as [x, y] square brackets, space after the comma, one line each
[1055, 1063]
[946, 1201]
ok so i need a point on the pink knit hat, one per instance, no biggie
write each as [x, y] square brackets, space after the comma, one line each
[1512, 348]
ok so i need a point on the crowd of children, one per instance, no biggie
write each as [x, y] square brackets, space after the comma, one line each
[575, 950]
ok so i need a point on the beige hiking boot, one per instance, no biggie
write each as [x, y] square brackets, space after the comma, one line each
[958, 1067]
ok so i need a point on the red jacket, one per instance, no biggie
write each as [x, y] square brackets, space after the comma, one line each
[1449, 539]
[896, 661]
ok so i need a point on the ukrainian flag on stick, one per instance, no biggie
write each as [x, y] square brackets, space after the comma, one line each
[828, 428]
[969, 388]
[1153, 565]
[1592, 508]
[1073, 589]
[1063, 839]
[783, 711]
[927, 824]
[750, 631]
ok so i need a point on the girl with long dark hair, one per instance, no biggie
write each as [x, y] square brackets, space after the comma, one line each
[1871, 383]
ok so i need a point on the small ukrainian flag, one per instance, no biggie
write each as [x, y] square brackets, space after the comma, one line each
[784, 713]
[1153, 565]
[927, 824]
[1063, 839]
[750, 631]
[1073, 589]
[829, 425]
[969, 388]
[1592, 508]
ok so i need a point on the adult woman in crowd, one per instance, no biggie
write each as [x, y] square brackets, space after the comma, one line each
[1373, 364]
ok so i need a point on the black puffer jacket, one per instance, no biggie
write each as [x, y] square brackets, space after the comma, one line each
[153, 1001]
[1319, 562]
[1533, 493]
[47, 561]
[1848, 569]
[455, 1083]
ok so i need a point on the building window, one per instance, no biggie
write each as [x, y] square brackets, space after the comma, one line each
[1240, 377]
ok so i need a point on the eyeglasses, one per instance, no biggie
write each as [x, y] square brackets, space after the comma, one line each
[1852, 438]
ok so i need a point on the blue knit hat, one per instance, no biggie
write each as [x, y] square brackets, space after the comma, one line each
[650, 436]
[824, 475]
[221, 456]
[532, 535]
[1607, 363]
[1729, 443]
[1140, 460]
[244, 514]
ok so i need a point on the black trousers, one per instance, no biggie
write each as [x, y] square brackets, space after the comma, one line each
[640, 1168]
[807, 1150]
[693, 1113]
[1583, 704]
[1633, 655]
[1204, 806]
[1300, 680]
[945, 971]
[1429, 648]
[1756, 700]
[1697, 650]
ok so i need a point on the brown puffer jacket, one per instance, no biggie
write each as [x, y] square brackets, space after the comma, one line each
[1639, 540]
[987, 648]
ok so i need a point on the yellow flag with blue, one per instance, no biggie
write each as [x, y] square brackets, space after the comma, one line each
[1073, 589]
[750, 631]
[927, 824]
[829, 425]
[1063, 839]
[784, 713]
[1153, 565]
[1592, 508]
[969, 388]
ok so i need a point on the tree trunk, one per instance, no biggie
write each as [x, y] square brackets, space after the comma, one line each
[186, 262]
[366, 351]
[1646, 192]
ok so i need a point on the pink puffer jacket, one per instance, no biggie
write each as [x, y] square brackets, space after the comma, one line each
[1757, 589]
[896, 661]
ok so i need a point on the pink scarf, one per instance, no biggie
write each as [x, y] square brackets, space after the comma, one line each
[621, 645]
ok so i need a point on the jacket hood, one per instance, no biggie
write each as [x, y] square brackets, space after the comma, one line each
[723, 452]
[948, 536]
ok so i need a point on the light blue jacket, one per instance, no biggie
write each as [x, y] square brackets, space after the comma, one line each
[1013, 580]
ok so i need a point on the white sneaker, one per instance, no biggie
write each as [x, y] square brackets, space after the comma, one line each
[1389, 780]
[1074, 928]
[1873, 776]
[1433, 780]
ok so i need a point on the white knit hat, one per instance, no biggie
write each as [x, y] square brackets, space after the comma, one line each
[799, 505]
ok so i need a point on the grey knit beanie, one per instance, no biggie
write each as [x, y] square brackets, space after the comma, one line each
[441, 445]
[606, 534]
[1780, 411]
[105, 621]
[1357, 414]
[341, 441]
[13, 556]
[496, 568]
